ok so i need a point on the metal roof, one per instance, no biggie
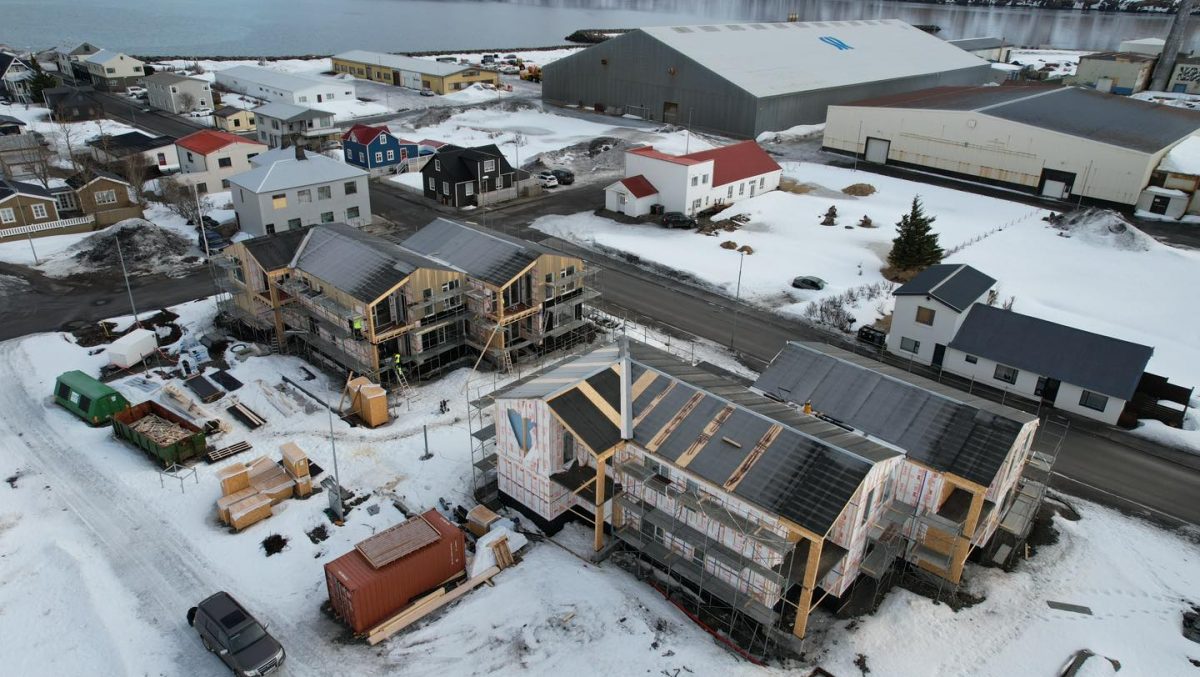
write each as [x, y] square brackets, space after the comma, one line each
[403, 63]
[364, 266]
[941, 432]
[277, 80]
[280, 170]
[168, 78]
[276, 250]
[10, 188]
[1076, 111]
[490, 257]
[289, 113]
[956, 285]
[768, 59]
[1094, 362]
[971, 44]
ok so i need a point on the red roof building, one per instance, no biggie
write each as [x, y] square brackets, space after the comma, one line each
[208, 141]
[639, 186]
[364, 134]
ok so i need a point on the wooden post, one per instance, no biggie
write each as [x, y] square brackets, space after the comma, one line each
[277, 311]
[963, 547]
[806, 591]
[601, 462]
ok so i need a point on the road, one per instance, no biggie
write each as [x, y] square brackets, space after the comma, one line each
[125, 109]
[1096, 467]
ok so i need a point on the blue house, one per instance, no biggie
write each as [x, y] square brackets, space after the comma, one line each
[377, 150]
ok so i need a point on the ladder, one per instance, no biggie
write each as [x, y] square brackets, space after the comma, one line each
[506, 361]
[402, 384]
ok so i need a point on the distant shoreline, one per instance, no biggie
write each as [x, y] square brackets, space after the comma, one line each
[309, 57]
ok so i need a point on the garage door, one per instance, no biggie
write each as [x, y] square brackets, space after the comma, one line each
[877, 150]
[410, 79]
[1054, 189]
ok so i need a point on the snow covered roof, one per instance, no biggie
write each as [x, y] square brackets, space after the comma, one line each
[279, 169]
[403, 63]
[770, 59]
[1076, 111]
[956, 285]
[167, 78]
[638, 186]
[266, 77]
[1184, 158]
[1094, 362]
[105, 55]
[287, 112]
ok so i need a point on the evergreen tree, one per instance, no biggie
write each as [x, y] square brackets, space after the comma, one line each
[41, 80]
[916, 245]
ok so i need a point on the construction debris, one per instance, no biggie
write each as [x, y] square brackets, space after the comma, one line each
[162, 432]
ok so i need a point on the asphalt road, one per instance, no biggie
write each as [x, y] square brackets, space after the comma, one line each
[128, 110]
[1094, 467]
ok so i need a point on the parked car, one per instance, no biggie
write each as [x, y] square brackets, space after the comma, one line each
[228, 630]
[808, 282]
[208, 221]
[135, 92]
[872, 336]
[216, 241]
[510, 57]
[201, 112]
[447, 59]
[427, 92]
[509, 70]
[565, 177]
[487, 59]
[547, 179]
[678, 220]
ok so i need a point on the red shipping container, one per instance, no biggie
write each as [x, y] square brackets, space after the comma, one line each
[420, 554]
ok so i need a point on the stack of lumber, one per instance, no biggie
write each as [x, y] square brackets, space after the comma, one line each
[271, 480]
[162, 432]
[369, 401]
[241, 503]
[295, 463]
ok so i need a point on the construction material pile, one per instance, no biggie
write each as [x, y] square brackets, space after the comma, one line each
[249, 490]
[161, 431]
[145, 247]
[369, 401]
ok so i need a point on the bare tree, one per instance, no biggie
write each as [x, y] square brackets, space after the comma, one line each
[136, 168]
[179, 199]
[187, 101]
[67, 131]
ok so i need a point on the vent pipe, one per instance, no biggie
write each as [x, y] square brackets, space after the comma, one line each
[626, 391]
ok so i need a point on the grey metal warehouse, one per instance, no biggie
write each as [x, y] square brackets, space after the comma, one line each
[744, 79]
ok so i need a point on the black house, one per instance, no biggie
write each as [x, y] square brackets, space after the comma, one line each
[458, 176]
[72, 104]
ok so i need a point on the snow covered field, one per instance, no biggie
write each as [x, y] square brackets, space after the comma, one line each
[64, 137]
[90, 540]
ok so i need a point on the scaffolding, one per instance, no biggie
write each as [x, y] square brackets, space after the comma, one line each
[1032, 487]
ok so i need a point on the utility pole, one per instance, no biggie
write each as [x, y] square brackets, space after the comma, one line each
[125, 274]
[200, 221]
[336, 503]
[737, 299]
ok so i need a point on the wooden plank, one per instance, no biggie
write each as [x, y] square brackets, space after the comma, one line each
[675, 421]
[399, 541]
[599, 402]
[412, 615]
[654, 403]
[643, 382]
[744, 467]
[804, 605]
[705, 435]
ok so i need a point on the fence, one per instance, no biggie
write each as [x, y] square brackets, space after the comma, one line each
[42, 227]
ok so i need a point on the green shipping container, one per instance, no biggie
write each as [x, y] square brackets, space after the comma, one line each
[88, 398]
[191, 446]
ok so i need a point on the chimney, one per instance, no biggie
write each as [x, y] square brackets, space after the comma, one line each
[626, 391]
[1166, 61]
[299, 150]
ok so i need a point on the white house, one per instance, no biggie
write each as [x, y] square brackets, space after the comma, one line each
[113, 71]
[290, 188]
[270, 85]
[930, 309]
[942, 318]
[69, 61]
[276, 123]
[176, 93]
[14, 77]
[208, 158]
[690, 183]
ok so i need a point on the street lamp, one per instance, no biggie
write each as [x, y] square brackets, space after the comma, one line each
[737, 298]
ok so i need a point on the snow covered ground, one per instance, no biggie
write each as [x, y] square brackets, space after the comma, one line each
[90, 540]
[64, 137]
[1056, 62]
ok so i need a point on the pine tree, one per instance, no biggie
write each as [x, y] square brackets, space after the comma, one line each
[916, 245]
[41, 80]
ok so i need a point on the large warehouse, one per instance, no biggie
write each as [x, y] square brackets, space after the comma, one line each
[1059, 142]
[744, 79]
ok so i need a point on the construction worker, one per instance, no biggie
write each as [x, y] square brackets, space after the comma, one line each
[356, 325]
[396, 363]
[808, 406]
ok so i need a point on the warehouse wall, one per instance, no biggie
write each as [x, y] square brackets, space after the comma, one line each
[976, 145]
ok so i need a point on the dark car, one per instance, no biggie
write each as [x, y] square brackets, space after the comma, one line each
[208, 221]
[229, 631]
[565, 178]
[808, 282]
[678, 220]
[872, 336]
[216, 241]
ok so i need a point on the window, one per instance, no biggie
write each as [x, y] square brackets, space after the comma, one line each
[279, 201]
[270, 228]
[251, 156]
[241, 195]
[350, 187]
[324, 192]
[450, 286]
[568, 448]
[549, 278]
[762, 182]
[1093, 400]
[237, 122]
[349, 154]
[445, 188]
[437, 164]
[704, 180]
[304, 99]
[327, 217]
[1006, 374]
[741, 189]
[362, 156]
[489, 165]
[351, 212]
[427, 294]
[925, 315]
[39, 211]
[695, 180]
[909, 346]
[304, 195]
[378, 156]
[189, 156]
[391, 155]
[866, 513]
[110, 70]
[202, 187]
[224, 183]
[225, 162]
[432, 184]
[730, 192]
[696, 203]
[293, 224]
[7, 215]
[469, 189]
[971, 359]
[106, 197]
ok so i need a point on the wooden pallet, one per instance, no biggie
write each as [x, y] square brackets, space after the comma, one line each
[226, 452]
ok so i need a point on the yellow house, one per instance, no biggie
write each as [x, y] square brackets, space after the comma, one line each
[407, 71]
[233, 119]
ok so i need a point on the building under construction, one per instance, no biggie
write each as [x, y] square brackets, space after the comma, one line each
[757, 508]
[449, 295]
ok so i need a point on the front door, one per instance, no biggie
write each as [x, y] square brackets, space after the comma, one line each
[939, 353]
[877, 150]
[670, 112]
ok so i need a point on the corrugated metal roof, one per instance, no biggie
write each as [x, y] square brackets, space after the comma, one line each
[280, 170]
[168, 78]
[943, 433]
[970, 44]
[956, 285]
[361, 265]
[276, 79]
[1077, 111]
[801, 56]
[288, 112]
[489, 257]
[403, 63]
[1094, 362]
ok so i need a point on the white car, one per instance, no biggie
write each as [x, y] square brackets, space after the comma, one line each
[547, 180]
[509, 70]
[201, 112]
[135, 92]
